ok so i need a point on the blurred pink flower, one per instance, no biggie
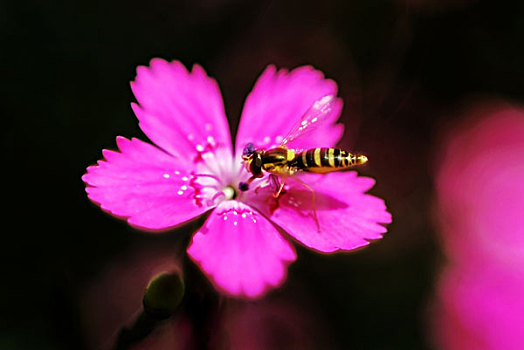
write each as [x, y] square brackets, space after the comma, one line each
[480, 307]
[271, 323]
[192, 169]
[480, 187]
[480, 191]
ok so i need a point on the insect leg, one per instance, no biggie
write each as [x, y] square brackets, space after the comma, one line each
[264, 184]
[271, 180]
[244, 186]
[280, 187]
[313, 199]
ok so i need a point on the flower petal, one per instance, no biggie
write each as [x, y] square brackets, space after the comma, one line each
[481, 306]
[180, 111]
[279, 100]
[347, 216]
[143, 184]
[241, 251]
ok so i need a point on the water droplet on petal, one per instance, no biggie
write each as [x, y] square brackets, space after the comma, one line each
[180, 193]
[166, 176]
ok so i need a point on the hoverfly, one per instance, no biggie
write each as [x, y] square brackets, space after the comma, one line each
[282, 162]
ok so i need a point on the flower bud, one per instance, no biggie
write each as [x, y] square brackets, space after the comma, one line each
[164, 294]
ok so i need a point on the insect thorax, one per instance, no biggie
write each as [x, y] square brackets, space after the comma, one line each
[277, 159]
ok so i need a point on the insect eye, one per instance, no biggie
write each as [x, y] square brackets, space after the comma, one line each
[249, 149]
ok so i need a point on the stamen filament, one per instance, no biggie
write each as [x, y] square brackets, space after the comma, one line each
[207, 175]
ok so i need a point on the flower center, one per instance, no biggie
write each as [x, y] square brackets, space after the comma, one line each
[230, 192]
[215, 176]
[221, 194]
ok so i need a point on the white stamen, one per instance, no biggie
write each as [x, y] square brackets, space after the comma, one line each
[229, 192]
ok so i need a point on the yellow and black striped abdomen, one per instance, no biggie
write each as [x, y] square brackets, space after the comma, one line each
[325, 160]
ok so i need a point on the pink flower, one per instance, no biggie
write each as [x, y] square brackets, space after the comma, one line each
[480, 307]
[480, 187]
[480, 192]
[193, 169]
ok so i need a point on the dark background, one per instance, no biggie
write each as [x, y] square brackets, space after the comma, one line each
[403, 68]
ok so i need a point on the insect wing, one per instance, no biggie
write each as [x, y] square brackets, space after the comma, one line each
[316, 116]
